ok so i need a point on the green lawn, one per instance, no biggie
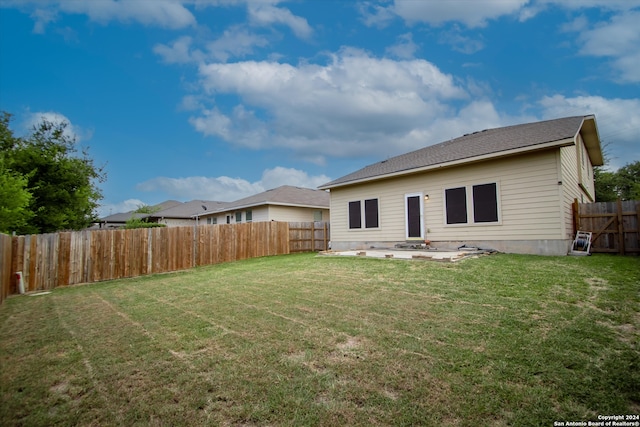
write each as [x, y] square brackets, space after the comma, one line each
[315, 340]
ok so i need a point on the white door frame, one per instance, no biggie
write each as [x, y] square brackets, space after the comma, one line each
[406, 215]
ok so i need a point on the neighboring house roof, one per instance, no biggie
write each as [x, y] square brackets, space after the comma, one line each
[285, 195]
[125, 216]
[188, 210]
[489, 143]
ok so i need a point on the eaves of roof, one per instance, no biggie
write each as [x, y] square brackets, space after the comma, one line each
[482, 145]
[458, 162]
[256, 205]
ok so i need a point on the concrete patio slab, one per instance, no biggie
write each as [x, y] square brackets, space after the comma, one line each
[415, 254]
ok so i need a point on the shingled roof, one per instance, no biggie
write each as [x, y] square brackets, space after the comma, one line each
[188, 209]
[475, 146]
[285, 195]
[125, 216]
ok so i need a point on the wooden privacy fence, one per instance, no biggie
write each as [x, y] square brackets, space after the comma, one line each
[308, 236]
[615, 225]
[50, 260]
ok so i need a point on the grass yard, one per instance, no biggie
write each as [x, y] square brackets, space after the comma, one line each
[309, 340]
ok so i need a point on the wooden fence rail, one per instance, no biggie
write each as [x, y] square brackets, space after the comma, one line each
[47, 261]
[615, 225]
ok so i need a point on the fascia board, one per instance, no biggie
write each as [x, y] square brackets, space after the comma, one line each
[468, 160]
[240, 207]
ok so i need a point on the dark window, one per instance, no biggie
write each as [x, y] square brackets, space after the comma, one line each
[355, 221]
[456, 203]
[238, 216]
[371, 213]
[248, 216]
[485, 203]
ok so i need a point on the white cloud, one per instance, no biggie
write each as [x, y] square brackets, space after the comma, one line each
[72, 132]
[618, 39]
[236, 41]
[584, 4]
[163, 13]
[374, 15]
[470, 13]
[261, 13]
[618, 121]
[272, 178]
[228, 189]
[354, 103]
[178, 52]
[405, 48]
[459, 42]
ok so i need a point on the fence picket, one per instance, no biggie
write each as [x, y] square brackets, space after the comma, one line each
[615, 225]
[69, 258]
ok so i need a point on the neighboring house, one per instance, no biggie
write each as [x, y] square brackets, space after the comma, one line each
[118, 220]
[184, 213]
[286, 203]
[509, 189]
[171, 213]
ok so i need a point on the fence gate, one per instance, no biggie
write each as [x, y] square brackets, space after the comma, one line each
[615, 225]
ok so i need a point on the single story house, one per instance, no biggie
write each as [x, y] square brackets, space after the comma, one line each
[510, 189]
[285, 203]
[118, 220]
[183, 214]
[171, 213]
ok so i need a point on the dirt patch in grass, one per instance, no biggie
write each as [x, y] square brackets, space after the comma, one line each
[324, 341]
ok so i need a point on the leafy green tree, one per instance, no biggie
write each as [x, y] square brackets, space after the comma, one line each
[61, 181]
[14, 195]
[628, 181]
[14, 200]
[146, 209]
[605, 185]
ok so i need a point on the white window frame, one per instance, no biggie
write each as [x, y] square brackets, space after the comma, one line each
[469, 198]
[363, 217]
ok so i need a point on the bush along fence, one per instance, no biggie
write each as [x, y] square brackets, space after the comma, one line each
[47, 261]
[615, 226]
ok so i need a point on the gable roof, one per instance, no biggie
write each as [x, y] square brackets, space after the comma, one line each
[482, 145]
[187, 210]
[285, 195]
[125, 216]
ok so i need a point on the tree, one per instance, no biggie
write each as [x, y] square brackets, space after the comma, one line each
[623, 184]
[14, 200]
[605, 185]
[61, 181]
[628, 181]
[14, 196]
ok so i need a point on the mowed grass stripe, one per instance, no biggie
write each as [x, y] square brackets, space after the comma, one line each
[500, 340]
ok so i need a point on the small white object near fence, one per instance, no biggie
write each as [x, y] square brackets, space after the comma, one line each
[581, 244]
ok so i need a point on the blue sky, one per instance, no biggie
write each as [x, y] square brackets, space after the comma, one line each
[221, 99]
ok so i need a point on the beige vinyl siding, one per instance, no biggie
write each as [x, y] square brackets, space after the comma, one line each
[528, 204]
[177, 222]
[295, 214]
[259, 213]
[572, 170]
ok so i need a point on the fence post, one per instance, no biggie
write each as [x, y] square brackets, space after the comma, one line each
[196, 243]
[620, 228]
[326, 237]
[576, 217]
